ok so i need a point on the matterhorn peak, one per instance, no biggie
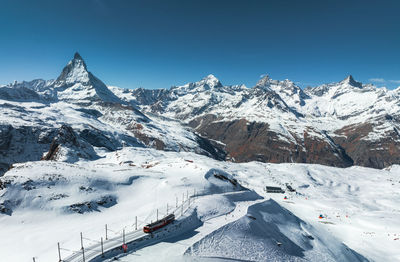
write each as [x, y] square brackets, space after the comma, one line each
[77, 56]
[74, 72]
[76, 83]
[350, 81]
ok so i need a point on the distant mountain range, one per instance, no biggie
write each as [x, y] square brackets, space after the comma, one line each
[77, 116]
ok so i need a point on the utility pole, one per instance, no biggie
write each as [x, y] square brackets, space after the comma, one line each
[83, 250]
[34, 259]
[106, 232]
[157, 214]
[102, 250]
[59, 253]
[135, 222]
[123, 236]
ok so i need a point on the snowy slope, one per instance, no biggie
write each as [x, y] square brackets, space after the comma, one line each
[270, 232]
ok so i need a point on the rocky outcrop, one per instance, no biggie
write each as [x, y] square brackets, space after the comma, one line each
[23, 143]
[376, 153]
[251, 141]
[67, 146]
[94, 205]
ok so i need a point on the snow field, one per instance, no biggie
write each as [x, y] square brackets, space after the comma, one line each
[359, 205]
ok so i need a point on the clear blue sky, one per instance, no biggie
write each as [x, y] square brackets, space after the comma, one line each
[156, 44]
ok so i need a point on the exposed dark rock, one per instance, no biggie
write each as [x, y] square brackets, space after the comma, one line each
[149, 96]
[97, 138]
[74, 146]
[86, 189]
[89, 206]
[251, 141]
[214, 149]
[5, 136]
[18, 93]
[379, 153]
[91, 112]
[58, 196]
[23, 143]
[28, 185]
[5, 208]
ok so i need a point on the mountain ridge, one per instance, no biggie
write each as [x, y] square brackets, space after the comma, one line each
[273, 121]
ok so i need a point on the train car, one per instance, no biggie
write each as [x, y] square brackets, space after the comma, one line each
[159, 224]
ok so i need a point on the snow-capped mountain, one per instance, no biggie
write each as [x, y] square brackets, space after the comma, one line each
[77, 84]
[340, 124]
[74, 116]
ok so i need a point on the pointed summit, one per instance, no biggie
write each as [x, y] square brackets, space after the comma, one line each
[77, 84]
[77, 56]
[75, 71]
[350, 81]
[264, 81]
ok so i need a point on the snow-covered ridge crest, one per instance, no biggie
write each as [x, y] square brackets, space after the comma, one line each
[208, 83]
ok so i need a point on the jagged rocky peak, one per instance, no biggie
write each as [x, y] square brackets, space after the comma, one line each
[350, 81]
[277, 85]
[264, 81]
[77, 56]
[345, 85]
[75, 71]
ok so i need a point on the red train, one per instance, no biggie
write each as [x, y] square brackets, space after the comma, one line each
[159, 224]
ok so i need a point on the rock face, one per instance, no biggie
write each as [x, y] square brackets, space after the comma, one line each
[254, 141]
[370, 153]
[68, 147]
[22, 143]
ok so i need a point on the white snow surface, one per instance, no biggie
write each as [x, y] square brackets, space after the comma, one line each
[49, 203]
